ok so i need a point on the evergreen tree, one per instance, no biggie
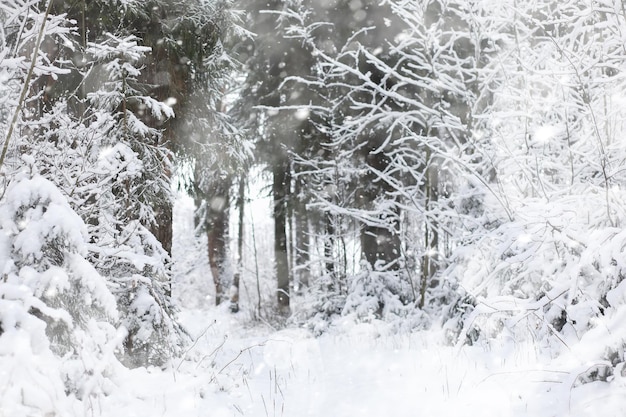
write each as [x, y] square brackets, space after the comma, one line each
[131, 171]
[109, 159]
[55, 306]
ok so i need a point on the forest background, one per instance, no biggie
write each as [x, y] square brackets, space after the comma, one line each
[441, 164]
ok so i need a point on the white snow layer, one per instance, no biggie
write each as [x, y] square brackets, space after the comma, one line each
[361, 370]
[352, 370]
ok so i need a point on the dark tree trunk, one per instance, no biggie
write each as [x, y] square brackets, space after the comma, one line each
[162, 231]
[234, 291]
[329, 244]
[302, 235]
[217, 233]
[369, 245]
[280, 187]
[380, 245]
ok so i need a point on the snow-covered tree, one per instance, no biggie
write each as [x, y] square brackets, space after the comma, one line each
[550, 267]
[130, 177]
[131, 154]
[112, 168]
[57, 314]
[397, 108]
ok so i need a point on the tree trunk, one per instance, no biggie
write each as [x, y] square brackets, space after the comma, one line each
[431, 231]
[379, 244]
[234, 289]
[162, 231]
[329, 243]
[280, 189]
[299, 222]
[302, 256]
[217, 233]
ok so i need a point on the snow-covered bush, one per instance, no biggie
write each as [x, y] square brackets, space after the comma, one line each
[32, 380]
[375, 294]
[137, 265]
[545, 262]
[47, 249]
[384, 295]
[553, 276]
[56, 309]
[371, 295]
[322, 304]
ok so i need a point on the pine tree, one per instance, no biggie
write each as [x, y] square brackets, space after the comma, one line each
[131, 170]
[55, 306]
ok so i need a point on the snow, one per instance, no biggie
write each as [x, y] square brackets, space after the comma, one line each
[559, 255]
[358, 370]
[233, 368]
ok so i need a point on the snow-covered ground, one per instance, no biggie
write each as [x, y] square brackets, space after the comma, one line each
[235, 369]
[361, 370]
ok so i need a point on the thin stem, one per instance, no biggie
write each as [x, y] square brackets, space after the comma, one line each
[29, 75]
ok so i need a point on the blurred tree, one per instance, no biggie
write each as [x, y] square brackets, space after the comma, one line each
[269, 60]
[400, 93]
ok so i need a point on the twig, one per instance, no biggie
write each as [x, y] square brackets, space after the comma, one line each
[522, 371]
[195, 342]
[237, 357]
[264, 405]
[29, 75]
[213, 352]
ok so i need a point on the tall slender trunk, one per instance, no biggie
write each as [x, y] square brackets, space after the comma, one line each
[329, 243]
[431, 230]
[163, 232]
[280, 187]
[217, 234]
[302, 272]
[234, 289]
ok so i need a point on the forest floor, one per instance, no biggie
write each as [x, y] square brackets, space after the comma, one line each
[237, 368]
[362, 370]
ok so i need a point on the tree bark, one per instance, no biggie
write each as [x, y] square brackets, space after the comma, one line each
[280, 189]
[217, 234]
[301, 225]
[379, 245]
[234, 289]
[329, 243]
[162, 230]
